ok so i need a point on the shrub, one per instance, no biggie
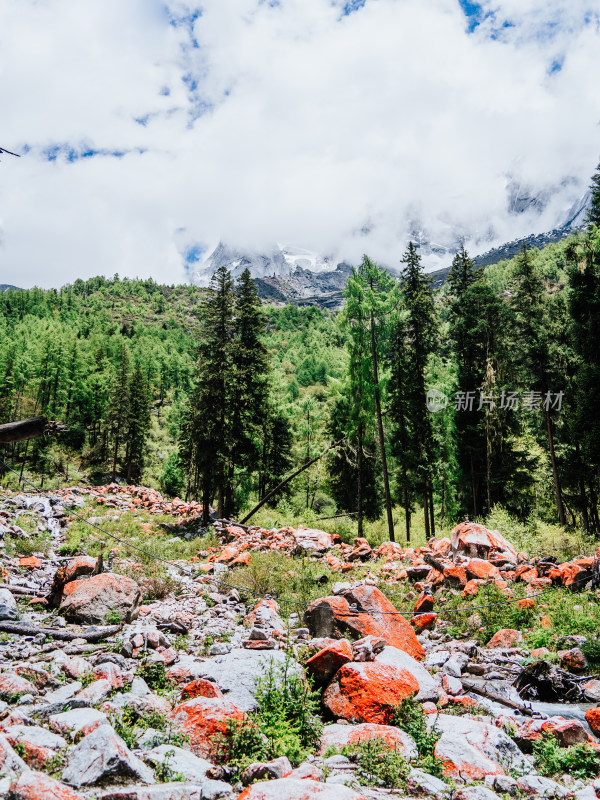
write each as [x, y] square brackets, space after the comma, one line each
[409, 716]
[580, 761]
[378, 763]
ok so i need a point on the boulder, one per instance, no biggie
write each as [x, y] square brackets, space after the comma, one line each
[375, 616]
[92, 599]
[401, 660]
[180, 761]
[38, 786]
[236, 673]
[39, 744]
[103, 756]
[8, 606]
[419, 783]
[10, 763]
[309, 541]
[592, 716]
[291, 789]
[470, 750]
[272, 770]
[506, 638]
[324, 664]
[201, 687]
[78, 721]
[477, 541]
[573, 660]
[71, 571]
[203, 719]
[339, 736]
[368, 691]
[13, 686]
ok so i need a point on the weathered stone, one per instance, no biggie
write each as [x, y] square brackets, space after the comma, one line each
[290, 789]
[475, 793]
[10, 763]
[71, 571]
[324, 664]
[419, 783]
[92, 599]
[8, 606]
[339, 736]
[477, 541]
[401, 660]
[102, 756]
[203, 719]
[272, 770]
[543, 787]
[201, 687]
[95, 692]
[39, 744]
[38, 786]
[79, 721]
[13, 686]
[506, 638]
[573, 660]
[180, 761]
[368, 692]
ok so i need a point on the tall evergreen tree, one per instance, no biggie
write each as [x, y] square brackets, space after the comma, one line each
[138, 424]
[119, 409]
[531, 341]
[417, 296]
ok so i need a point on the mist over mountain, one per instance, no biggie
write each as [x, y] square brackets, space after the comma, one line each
[293, 275]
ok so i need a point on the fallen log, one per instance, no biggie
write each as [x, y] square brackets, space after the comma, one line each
[23, 590]
[497, 698]
[28, 429]
[433, 562]
[57, 633]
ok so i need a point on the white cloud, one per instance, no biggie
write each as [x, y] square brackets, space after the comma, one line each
[287, 122]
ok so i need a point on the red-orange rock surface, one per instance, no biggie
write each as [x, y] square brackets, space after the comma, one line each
[368, 691]
[592, 716]
[38, 786]
[293, 789]
[345, 735]
[201, 687]
[506, 637]
[203, 718]
[324, 664]
[94, 598]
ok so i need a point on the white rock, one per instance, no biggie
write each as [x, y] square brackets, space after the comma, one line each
[102, 755]
[401, 660]
[181, 761]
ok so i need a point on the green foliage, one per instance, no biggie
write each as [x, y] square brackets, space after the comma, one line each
[580, 761]
[409, 716]
[164, 773]
[113, 618]
[130, 723]
[155, 675]
[378, 763]
[285, 724]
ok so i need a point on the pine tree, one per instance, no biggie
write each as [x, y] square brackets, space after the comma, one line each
[531, 340]
[417, 298]
[138, 424]
[118, 410]
[593, 215]
[249, 364]
[370, 298]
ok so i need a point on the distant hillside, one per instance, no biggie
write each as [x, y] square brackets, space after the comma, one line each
[5, 286]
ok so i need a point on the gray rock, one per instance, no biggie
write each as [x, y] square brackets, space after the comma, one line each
[40, 737]
[543, 787]
[101, 756]
[96, 692]
[502, 783]
[180, 761]
[437, 659]
[99, 595]
[475, 793]
[455, 664]
[8, 606]
[76, 720]
[421, 783]
[401, 660]
[236, 674]
[11, 764]
[220, 649]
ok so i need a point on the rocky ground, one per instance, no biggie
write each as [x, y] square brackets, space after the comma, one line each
[117, 688]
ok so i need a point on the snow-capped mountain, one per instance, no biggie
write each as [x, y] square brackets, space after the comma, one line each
[303, 277]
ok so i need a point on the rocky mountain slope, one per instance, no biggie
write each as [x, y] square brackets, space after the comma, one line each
[119, 681]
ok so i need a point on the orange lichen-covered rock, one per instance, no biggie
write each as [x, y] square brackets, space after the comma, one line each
[203, 718]
[506, 637]
[201, 687]
[424, 603]
[526, 602]
[573, 660]
[479, 568]
[13, 686]
[456, 574]
[471, 588]
[546, 622]
[380, 618]
[324, 664]
[94, 598]
[592, 716]
[32, 562]
[368, 691]
[339, 736]
[479, 542]
[294, 789]
[38, 786]
[73, 569]
[424, 622]
[227, 554]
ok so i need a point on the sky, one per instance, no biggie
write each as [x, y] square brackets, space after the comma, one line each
[151, 130]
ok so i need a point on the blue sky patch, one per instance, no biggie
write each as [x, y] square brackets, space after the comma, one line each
[71, 153]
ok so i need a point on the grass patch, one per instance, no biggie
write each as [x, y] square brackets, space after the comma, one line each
[410, 717]
[581, 760]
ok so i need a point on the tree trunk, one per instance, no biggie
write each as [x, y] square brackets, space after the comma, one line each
[557, 489]
[359, 479]
[386, 480]
[431, 515]
[426, 514]
[407, 511]
[25, 429]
